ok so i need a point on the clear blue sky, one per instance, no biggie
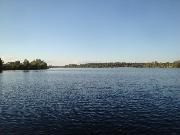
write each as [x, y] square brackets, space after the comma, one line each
[80, 31]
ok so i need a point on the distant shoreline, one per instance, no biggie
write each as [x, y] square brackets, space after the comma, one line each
[155, 64]
[110, 67]
[41, 65]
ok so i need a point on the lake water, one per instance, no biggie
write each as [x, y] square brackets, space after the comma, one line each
[115, 101]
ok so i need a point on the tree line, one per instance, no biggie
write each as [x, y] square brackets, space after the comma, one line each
[39, 64]
[25, 65]
[155, 64]
[1, 64]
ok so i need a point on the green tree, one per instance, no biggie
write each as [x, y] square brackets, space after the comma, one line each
[38, 64]
[177, 64]
[1, 64]
[26, 64]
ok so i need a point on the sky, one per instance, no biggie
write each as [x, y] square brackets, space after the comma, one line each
[81, 31]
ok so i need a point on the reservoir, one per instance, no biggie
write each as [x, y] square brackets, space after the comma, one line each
[89, 101]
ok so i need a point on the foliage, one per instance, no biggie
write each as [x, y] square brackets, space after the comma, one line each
[39, 64]
[26, 65]
[177, 64]
[1, 64]
[124, 64]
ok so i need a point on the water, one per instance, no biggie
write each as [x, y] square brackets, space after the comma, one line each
[90, 101]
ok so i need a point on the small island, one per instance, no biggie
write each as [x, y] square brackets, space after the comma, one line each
[37, 64]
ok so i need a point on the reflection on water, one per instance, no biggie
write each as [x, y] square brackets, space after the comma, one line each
[90, 101]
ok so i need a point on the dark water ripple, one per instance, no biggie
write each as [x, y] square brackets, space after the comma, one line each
[90, 101]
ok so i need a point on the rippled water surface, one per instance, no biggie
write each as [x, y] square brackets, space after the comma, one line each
[90, 101]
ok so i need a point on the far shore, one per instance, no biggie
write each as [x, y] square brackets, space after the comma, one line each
[155, 64]
[42, 65]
